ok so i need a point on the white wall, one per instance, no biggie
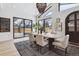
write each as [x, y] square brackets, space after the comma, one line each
[54, 15]
[29, 11]
[65, 13]
[23, 10]
[62, 15]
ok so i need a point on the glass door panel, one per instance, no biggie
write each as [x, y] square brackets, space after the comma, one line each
[77, 15]
[71, 26]
[77, 25]
[18, 27]
[41, 22]
[41, 26]
[28, 26]
[48, 25]
[71, 17]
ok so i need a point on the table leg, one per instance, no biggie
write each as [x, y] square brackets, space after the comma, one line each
[50, 40]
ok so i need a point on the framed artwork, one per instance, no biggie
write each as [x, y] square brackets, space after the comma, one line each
[58, 20]
[58, 25]
[4, 24]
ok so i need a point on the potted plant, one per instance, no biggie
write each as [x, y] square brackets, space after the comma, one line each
[36, 26]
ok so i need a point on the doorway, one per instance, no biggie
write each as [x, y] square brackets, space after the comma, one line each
[72, 26]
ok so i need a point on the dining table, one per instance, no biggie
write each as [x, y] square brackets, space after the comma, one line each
[51, 37]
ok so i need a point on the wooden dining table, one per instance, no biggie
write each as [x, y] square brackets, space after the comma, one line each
[51, 38]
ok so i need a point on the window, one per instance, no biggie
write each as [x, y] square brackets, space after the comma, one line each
[46, 24]
[65, 6]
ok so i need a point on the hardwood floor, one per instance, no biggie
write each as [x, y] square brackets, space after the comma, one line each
[25, 49]
[7, 48]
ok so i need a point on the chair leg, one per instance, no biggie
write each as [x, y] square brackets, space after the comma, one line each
[31, 44]
[65, 51]
[40, 49]
[37, 47]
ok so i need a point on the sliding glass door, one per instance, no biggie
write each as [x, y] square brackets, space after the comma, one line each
[21, 27]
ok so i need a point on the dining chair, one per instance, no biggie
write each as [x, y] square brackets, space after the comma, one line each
[62, 42]
[31, 39]
[41, 41]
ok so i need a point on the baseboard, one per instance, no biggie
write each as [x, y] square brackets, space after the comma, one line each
[74, 44]
[21, 39]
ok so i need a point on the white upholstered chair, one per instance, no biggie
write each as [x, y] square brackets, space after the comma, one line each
[62, 42]
[41, 41]
[31, 38]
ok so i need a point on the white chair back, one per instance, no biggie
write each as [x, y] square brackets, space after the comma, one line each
[40, 40]
[62, 42]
